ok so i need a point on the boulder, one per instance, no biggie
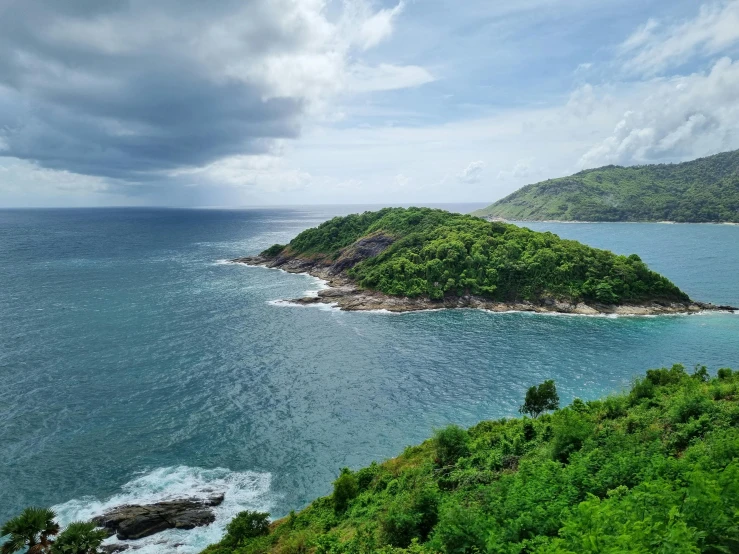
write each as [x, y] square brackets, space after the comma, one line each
[132, 522]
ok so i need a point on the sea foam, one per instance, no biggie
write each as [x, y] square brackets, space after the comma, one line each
[243, 491]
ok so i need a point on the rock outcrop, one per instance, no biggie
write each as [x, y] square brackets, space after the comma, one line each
[135, 522]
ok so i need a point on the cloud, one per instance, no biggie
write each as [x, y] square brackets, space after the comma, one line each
[680, 117]
[656, 47]
[520, 171]
[20, 177]
[402, 181]
[472, 173]
[362, 78]
[267, 173]
[376, 28]
[140, 91]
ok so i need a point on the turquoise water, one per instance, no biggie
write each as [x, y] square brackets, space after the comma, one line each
[137, 365]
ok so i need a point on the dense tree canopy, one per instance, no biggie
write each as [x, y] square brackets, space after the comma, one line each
[703, 190]
[652, 470]
[437, 253]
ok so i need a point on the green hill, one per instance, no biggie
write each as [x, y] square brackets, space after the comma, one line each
[703, 190]
[421, 252]
[652, 470]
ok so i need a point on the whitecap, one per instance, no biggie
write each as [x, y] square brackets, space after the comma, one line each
[327, 307]
[246, 490]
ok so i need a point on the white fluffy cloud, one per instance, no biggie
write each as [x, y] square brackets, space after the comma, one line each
[472, 173]
[521, 170]
[656, 46]
[674, 119]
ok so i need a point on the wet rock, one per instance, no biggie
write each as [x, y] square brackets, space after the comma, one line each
[137, 521]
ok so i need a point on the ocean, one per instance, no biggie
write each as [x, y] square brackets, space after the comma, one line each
[137, 364]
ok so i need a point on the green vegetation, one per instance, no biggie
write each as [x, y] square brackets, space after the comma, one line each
[652, 470]
[245, 526]
[33, 530]
[80, 537]
[703, 190]
[540, 399]
[437, 254]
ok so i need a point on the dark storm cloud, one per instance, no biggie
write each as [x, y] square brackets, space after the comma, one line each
[118, 89]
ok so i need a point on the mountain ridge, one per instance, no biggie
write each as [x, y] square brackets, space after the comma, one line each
[704, 190]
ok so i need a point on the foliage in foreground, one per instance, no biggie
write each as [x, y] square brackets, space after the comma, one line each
[437, 254]
[703, 190]
[34, 529]
[652, 470]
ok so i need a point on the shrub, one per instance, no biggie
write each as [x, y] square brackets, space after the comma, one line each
[529, 431]
[701, 373]
[641, 389]
[689, 407]
[246, 525]
[461, 530]
[451, 443]
[411, 516]
[273, 250]
[724, 373]
[366, 475]
[345, 489]
[571, 430]
[663, 376]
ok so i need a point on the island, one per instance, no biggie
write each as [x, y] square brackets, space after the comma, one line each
[705, 190]
[653, 469]
[409, 259]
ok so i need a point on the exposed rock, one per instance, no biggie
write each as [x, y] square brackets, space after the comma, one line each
[344, 293]
[364, 248]
[135, 522]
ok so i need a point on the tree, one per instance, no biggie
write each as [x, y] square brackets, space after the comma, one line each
[540, 399]
[32, 529]
[80, 537]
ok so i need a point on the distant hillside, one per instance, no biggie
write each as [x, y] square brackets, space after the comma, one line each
[700, 191]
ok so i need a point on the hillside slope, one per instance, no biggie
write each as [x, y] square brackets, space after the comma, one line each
[420, 258]
[703, 190]
[652, 470]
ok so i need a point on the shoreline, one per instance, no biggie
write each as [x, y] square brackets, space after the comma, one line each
[341, 292]
[514, 221]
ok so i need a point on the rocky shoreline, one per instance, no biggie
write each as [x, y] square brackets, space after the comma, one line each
[136, 521]
[344, 293]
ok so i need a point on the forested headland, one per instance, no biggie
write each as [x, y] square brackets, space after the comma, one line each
[705, 190]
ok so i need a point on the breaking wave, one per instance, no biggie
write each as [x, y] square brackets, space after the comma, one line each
[246, 490]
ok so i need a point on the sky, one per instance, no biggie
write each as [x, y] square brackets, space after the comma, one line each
[275, 102]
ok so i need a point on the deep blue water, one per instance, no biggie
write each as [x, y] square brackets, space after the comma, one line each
[135, 365]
